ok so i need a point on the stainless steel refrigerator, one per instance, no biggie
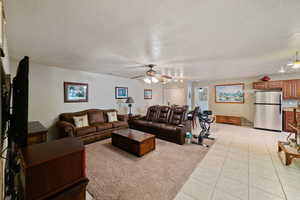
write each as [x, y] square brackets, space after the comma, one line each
[268, 110]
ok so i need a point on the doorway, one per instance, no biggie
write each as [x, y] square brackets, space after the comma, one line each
[202, 98]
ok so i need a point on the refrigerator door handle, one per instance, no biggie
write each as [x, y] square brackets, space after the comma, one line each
[280, 104]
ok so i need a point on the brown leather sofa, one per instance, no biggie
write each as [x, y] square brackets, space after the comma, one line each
[168, 123]
[99, 127]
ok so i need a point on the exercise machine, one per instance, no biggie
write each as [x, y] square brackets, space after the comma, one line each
[205, 121]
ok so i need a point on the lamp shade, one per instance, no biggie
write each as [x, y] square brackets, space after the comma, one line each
[129, 100]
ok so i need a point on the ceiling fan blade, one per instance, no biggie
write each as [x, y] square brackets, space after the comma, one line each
[166, 76]
[136, 77]
[137, 67]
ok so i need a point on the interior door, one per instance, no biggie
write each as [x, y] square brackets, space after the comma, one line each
[201, 98]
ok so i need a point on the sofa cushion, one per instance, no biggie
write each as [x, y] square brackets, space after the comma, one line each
[112, 116]
[140, 122]
[85, 130]
[156, 125]
[81, 121]
[102, 126]
[96, 116]
[178, 115]
[119, 124]
[105, 113]
[69, 116]
[152, 113]
[171, 128]
[163, 115]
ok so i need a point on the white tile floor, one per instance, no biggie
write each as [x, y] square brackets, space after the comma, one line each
[243, 164]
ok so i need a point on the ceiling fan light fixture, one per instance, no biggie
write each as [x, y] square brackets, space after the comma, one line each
[296, 65]
[147, 80]
[282, 70]
[154, 80]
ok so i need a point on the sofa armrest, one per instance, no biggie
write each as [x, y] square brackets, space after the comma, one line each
[66, 129]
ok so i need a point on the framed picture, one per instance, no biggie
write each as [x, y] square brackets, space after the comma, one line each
[75, 92]
[147, 93]
[121, 92]
[230, 93]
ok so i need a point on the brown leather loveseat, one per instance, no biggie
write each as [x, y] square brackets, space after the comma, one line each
[99, 127]
[168, 123]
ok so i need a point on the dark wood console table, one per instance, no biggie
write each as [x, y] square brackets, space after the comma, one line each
[225, 119]
[53, 170]
[37, 133]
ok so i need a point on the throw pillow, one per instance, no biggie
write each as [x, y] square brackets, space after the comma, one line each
[81, 121]
[112, 116]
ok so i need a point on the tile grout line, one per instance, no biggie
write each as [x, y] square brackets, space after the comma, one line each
[285, 196]
[248, 168]
[214, 189]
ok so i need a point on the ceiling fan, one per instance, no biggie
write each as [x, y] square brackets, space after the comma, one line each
[295, 64]
[152, 76]
[291, 66]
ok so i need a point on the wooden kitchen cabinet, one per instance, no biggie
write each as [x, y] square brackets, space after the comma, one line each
[291, 89]
[288, 117]
[274, 84]
[297, 85]
[268, 85]
[260, 85]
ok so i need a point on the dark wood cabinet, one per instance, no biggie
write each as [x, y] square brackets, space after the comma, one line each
[291, 89]
[37, 133]
[53, 169]
[288, 117]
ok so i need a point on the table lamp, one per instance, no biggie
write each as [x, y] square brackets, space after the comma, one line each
[130, 101]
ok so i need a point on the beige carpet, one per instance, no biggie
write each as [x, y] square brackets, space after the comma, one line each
[117, 175]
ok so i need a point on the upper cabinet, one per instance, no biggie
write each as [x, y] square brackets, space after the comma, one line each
[275, 84]
[290, 88]
[260, 85]
[268, 85]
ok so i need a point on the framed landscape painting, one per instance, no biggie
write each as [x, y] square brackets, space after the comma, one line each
[75, 92]
[147, 93]
[121, 92]
[230, 93]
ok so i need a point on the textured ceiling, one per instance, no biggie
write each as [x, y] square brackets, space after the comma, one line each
[195, 39]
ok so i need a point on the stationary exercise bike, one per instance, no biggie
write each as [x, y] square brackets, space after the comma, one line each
[205, 120]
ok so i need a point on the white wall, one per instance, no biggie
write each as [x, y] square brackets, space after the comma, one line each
[46, 95]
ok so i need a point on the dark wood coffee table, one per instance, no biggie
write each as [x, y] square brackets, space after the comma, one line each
[133, 141]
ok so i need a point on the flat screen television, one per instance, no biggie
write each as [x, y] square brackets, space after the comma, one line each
[5, 101]
[19, 119]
